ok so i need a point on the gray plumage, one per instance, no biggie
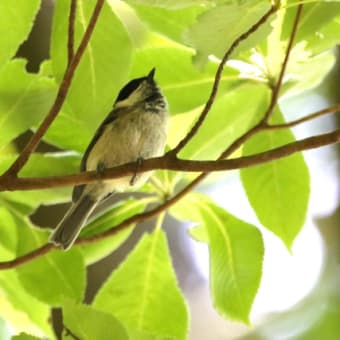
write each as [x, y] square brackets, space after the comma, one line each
[135, 129]
[70, 226]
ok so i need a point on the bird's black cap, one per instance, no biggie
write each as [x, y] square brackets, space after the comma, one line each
[133, 84]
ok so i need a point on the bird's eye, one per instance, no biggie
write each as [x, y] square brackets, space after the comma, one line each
[154, 96]
[128, 89]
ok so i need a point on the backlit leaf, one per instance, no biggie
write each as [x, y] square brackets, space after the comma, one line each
[278, 191]
[142, 293]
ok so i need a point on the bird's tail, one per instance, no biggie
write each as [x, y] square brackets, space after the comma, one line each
[69, 227]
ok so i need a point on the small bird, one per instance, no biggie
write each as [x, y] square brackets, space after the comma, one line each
[134, 130]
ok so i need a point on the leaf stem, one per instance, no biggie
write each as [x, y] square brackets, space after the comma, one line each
[160, 220]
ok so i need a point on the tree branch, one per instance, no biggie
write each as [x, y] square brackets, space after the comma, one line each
[332, 109]
[218, 76]
[276, 89]
[27, 257]
[60, 98]
[263, 123]
[169, 163]
[230, 164]
[70, 39]
[184, 165]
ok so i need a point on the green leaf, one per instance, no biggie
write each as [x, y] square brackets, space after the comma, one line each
[88, 323]
[138, 31]
[278, 191]
[187, 211]
[51, 164]
[237, 247]
[311, 56]
[68, 132]
[4, 330]
[93, 252]
[229, 118]
[25, 99]
[8, 235]
[218, 28]
[102, 71]
[170, 4]
[297, 2]
[61, 274]
[16, 23]
[184, 87]
[236, 254]
[199, 234]
[40, 166]
[24, 336]
[169, 22]
[318, 27]
[327, 36]
[20, 309]
[185, 121]
[306, 72]
[142, 293]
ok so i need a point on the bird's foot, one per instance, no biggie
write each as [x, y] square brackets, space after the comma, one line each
[100, 169]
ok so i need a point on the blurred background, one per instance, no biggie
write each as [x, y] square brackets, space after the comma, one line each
[299, 296]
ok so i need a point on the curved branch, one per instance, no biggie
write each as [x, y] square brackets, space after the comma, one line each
[218, 76]
[169, 163]
[60, 98]
[186, 165]
[231, 164]
[27, 257]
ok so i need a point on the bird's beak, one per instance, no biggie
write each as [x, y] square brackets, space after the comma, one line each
[151, 74]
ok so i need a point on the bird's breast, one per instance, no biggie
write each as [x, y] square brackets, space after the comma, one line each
[127, 138]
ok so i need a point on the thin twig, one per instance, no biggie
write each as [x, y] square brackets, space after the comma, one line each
[27, 257]
[70, 37]
[62, 92]
[263, 123]
[332, 109]
[218, 76]
[278, 84]
[70, 333]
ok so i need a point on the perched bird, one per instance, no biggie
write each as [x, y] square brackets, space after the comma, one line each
[134, 130]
